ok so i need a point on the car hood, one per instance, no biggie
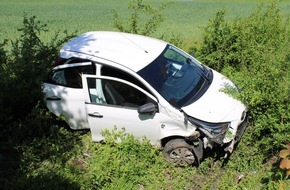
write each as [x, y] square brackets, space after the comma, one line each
[215, 105]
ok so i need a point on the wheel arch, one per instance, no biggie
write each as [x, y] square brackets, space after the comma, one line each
[167, 139]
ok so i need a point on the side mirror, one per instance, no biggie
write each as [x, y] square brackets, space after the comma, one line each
[148, 108]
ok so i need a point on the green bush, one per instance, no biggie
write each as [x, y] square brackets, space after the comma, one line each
[24, 65]
[136, 23]
[45, 155]
[123, 164]
[254, 52]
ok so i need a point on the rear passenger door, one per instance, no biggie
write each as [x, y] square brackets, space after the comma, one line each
[64, 93]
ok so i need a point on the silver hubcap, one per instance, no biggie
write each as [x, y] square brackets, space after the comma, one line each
[182, 156]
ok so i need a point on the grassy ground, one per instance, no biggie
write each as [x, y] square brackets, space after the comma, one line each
[65, 159]
[183, 18]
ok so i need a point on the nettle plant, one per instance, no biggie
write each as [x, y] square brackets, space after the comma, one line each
[285, 163]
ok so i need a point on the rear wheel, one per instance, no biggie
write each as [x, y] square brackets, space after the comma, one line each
[177, 151]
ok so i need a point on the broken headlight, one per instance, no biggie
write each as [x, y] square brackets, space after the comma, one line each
[214, 131]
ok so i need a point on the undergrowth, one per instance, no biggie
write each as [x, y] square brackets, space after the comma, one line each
[39, 152]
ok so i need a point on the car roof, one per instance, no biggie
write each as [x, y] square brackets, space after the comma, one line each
[130, 50]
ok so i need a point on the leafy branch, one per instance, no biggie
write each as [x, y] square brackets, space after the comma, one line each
[135, 24]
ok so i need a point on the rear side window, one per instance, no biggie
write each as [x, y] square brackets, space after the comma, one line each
[70, 77]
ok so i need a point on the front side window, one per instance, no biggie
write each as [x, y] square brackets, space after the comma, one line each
[116, 93]
[179, 78]
[116, 73]
[70, 77]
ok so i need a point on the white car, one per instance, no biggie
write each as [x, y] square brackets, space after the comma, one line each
[153, 89]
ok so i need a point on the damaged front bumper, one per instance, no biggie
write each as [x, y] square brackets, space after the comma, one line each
[219, 133]
[215, 132]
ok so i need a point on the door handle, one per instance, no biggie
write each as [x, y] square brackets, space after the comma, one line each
[53, 98]
[95, 114]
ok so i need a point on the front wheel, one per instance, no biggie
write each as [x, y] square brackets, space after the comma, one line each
[177, 151]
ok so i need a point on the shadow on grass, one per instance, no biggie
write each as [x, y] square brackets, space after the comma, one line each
[45, 181]
[34, 153]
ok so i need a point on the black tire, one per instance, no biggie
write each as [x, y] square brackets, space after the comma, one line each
[177, 151]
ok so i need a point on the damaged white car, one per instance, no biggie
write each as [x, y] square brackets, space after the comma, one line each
[149, 87]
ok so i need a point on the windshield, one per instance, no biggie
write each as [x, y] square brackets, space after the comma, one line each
[178, 77]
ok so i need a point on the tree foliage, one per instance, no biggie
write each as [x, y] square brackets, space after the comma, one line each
[254, 52]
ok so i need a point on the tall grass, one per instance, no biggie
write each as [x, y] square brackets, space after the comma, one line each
[184, 18]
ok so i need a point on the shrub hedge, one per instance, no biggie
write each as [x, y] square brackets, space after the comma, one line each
[254, 52]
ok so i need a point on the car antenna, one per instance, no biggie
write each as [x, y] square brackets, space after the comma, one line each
[135, 44]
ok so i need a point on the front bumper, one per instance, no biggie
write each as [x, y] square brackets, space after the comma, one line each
[239, 133]
[241, 129]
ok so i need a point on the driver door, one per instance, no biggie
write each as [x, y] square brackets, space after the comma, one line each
[112, 102]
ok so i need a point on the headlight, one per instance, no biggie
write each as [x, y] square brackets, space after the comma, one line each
[214, 131]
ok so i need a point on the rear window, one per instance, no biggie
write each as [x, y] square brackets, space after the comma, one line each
[69, 77]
